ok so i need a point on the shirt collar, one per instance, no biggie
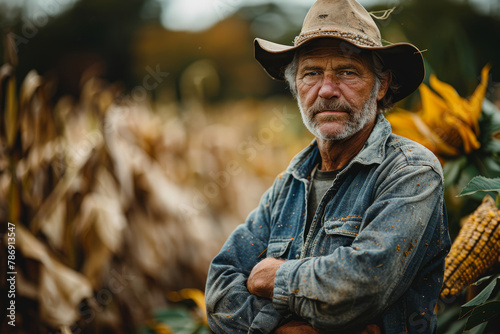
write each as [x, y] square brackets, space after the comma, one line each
[373, 151]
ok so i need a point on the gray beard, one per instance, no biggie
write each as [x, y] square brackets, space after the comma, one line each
[358, 119]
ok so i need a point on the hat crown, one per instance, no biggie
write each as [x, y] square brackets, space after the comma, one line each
[348, 21]
[345, 18]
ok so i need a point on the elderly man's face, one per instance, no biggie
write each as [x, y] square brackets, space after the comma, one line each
[336, 90]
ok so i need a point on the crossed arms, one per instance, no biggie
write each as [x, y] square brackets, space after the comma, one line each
[261, 283]
[247, 295]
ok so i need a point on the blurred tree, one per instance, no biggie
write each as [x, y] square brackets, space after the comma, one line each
[90, 33]
[457, 39]
[124, 38]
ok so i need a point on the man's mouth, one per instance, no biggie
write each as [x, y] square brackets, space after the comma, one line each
[330, 112]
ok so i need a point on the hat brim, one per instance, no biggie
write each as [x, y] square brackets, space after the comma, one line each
[404, 59]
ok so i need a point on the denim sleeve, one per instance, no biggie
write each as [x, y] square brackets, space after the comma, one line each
[230, 307]
[354, 284]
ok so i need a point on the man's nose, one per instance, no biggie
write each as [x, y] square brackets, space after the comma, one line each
[329, 87]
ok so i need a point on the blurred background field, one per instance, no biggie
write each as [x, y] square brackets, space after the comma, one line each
[135, 135]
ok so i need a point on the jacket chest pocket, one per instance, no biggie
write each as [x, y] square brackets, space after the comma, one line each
[336, 233]
[279, 248]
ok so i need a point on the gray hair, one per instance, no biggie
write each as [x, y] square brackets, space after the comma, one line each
[377, 67]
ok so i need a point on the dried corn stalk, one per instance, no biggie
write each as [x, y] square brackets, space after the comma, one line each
[60, 289]
[131, 200]
[475, 250]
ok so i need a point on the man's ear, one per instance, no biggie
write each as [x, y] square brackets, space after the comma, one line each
[384, 85]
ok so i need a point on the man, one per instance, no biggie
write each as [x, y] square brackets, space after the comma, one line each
[352, 236]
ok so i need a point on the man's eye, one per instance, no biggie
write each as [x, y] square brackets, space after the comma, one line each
[312, 73]
[347, 73]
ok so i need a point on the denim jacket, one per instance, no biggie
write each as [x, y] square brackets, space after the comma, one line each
[374, 252]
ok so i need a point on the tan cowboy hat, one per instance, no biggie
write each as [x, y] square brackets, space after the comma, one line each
[349, 21]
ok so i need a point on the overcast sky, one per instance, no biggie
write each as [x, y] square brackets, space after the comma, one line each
[200, 14]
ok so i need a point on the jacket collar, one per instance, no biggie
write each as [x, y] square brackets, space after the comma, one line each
[373, 151]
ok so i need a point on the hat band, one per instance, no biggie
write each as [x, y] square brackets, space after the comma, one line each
[354, 38]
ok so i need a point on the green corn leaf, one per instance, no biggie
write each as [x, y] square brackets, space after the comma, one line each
[481, 183]
[481, 280]
[491, 164]
[482, 314]
[178, 320]
[478, 300]
[448, 318]
[478, 329]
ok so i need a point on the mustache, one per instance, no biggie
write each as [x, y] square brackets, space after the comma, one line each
[321, 105]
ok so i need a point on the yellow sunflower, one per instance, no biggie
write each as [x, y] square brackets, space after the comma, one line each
[447, 124]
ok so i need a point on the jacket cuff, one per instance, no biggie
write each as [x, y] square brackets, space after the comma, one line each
[266, 321]
[282, 289]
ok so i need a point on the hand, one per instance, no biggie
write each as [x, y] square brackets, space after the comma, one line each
[371, 329]
[261, 279]
[296, 326]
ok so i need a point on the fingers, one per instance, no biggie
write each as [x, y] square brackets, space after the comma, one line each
[261, 279]
[296, 327]
[371, 329]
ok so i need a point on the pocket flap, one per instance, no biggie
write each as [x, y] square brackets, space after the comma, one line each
[346, 227]
[277, 247]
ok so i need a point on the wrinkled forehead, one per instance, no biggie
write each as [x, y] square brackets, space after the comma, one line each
[334, 48]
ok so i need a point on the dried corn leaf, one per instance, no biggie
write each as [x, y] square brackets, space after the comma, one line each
[97, 259]
[120, 151]
[10, 49]
[11, 114]
[103, 203]
[149, 247]
[100, 226]
[54, 226]
[80, 154]
[135, 189]
[61, 289]
[30, 110]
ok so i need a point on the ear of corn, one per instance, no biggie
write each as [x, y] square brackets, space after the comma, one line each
[475, 250]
